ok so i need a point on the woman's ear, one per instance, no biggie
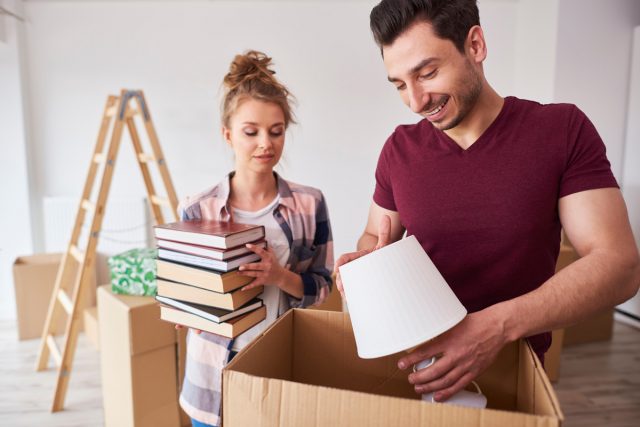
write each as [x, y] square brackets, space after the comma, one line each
[226, 135]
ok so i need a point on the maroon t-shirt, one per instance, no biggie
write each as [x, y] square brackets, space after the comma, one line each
[488, 216]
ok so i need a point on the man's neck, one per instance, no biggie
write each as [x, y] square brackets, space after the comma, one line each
[483, 113]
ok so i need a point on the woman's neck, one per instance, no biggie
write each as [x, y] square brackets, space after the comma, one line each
[252, 191]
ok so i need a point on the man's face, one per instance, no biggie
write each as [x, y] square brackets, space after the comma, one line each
[433, 78]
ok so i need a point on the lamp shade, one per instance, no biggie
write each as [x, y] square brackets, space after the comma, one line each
[397, 299]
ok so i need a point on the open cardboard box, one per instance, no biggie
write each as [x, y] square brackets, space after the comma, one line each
[304, 370]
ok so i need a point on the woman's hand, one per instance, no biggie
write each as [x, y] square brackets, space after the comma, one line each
[268, 271]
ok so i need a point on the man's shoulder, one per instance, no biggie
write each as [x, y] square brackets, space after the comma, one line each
[559, 110]
[409, 134]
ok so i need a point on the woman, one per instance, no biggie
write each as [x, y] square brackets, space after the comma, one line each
[296, 267]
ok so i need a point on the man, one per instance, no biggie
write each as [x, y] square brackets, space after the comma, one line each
[485, 183]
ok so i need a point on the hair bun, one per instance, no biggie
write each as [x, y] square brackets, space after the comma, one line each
[249, 66]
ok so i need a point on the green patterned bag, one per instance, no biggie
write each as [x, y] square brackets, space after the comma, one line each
[134, 272]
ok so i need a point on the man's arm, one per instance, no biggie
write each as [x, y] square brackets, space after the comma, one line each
[608, 273]
[383, 227]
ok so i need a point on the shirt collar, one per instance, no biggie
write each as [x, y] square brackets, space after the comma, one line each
[284, 191]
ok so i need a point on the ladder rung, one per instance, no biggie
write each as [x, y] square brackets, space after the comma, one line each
[53, 350]
[76, 253]
[99, 158]
[146, 158]
[112, 111]
[88, 206]
[163, 201]
[65, 301]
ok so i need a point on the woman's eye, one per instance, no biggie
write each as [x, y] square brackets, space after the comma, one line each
[250, 132]
[276, 132]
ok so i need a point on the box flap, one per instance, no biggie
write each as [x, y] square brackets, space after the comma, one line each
[49, 258]
[145, 329]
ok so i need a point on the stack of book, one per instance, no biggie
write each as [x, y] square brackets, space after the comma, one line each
[199, 284]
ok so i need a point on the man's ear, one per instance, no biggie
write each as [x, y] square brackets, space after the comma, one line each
[475, 44]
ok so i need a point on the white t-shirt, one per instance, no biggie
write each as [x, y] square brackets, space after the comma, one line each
[274, 299]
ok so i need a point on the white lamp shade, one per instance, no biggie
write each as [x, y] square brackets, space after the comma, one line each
[397, 299]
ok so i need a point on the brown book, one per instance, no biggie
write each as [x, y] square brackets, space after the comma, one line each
[216, 234]
[230, 329]
[227, 301]
[201, 277]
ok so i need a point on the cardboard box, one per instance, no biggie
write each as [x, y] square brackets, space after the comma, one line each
[34, 279]
[597, 328]
[91, 326]
[332, 303]
[138, 362]
[552, 356]
[304, 370]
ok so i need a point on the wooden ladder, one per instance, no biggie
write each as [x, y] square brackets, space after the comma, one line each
[75, 271]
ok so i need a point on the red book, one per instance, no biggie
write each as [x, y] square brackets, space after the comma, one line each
[216, 234]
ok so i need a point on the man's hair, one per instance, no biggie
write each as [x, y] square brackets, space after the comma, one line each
[451, 19]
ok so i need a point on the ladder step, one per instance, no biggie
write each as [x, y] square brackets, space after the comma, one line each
[76, 253]
[53, 350]
[112, 111]
[99, 158]
[88, 206]
[160, 201]
[65, 301]
[146, 158]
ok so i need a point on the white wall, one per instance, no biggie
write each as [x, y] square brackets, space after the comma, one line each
[15, 222]
[593, 65]
[535, 59]
[630, 170]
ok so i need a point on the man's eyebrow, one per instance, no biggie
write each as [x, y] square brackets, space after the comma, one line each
[415, 68]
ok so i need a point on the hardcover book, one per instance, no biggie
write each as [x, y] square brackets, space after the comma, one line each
[217, 234]
[229, 329]
[229, 301]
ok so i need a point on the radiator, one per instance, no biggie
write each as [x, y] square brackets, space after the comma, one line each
[126, 224]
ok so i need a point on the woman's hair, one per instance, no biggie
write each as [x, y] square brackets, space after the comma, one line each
[249, 76]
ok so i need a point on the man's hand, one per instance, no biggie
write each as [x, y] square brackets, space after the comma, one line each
[384, 231]
[464, 352]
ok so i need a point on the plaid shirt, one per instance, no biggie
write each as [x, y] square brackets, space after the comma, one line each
[302, 214]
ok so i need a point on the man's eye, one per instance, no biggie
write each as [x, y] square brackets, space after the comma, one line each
[401, 87]
[428, 75]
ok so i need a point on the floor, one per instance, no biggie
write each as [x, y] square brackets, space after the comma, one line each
[599, 383]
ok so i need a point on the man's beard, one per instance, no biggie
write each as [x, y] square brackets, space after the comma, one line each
[471, 83]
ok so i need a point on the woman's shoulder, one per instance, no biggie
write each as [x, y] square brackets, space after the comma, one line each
[211, 195]
[297, 190]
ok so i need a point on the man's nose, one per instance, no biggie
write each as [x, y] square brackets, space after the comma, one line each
[418, 98]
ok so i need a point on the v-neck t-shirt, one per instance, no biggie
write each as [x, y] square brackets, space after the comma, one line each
[488, 215]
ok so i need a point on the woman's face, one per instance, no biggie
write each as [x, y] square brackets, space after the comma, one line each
[256, 134]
